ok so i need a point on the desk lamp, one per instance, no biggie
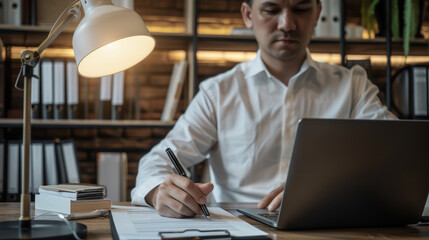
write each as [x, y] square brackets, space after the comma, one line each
[108, 40]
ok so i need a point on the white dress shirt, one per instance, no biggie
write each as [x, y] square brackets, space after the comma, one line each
[244, 122]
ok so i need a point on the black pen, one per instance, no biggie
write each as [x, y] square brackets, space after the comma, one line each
[181, 172]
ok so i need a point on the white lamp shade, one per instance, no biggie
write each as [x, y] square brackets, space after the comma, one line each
[110, 39]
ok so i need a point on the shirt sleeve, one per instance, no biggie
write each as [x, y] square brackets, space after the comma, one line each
[366, 104]
[191, 138]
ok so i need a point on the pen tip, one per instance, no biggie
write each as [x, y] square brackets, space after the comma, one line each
[208, 217]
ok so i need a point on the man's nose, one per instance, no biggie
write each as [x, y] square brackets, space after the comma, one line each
[286, 21]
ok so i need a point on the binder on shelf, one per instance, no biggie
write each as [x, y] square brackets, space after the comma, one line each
[51, 170]
[334, 18]
[59, 91]
[47, 81]
[61, 168]
[2, 11]
[105, 97]
[118, 95]
[37, 166]
[35, 94]
[323, 28]
[70, 161]
[72, 90]
[174, 91]
[124, 3]
[12, 12]
[2, 171]
[13, 173]
[112, 172]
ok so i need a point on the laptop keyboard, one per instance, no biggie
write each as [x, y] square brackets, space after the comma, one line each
[272, 216]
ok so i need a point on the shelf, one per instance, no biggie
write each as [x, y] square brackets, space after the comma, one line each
[419, 47]
[17, 123]
[33, 36]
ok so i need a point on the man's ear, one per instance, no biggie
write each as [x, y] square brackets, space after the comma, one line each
[246, 14]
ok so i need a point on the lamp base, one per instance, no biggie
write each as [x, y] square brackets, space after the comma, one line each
[41, 229]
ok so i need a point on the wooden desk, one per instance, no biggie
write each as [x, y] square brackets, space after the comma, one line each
[99, 228]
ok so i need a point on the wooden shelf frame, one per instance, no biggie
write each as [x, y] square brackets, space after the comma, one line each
[86, 123]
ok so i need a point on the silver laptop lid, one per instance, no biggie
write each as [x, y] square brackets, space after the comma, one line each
[356, 173]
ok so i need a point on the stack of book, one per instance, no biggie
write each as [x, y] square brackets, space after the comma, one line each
[72, 198]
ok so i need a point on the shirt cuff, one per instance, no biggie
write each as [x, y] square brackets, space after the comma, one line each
[139, 193]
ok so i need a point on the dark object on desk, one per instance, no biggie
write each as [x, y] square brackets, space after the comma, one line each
[42, 229]
[358, 173]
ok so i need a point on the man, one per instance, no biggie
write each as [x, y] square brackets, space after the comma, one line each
[244, 120]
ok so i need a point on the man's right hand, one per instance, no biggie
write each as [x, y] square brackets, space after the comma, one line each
[178, 197]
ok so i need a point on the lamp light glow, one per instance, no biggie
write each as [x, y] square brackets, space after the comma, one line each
[123, 52]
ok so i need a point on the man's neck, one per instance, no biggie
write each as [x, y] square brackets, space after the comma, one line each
[284, 69]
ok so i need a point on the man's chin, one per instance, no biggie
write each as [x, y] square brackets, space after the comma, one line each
[287, 54]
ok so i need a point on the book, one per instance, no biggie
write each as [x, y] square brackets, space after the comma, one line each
[174, 91]
[74, 191]
[67, 205]
[74, 187]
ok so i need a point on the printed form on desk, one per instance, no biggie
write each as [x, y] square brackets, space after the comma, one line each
[147, 224]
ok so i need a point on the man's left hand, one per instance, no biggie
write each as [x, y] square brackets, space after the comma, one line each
[273, 200]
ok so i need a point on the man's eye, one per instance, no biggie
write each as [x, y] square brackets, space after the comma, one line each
[301, 10]
[270, 11]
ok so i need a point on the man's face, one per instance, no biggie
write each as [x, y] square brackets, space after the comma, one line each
[283, 28]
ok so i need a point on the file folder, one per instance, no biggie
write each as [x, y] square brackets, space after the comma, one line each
[2, 172]
[72, 90]
[118, 95]
[59, 90]
[13, 173]
[47, 69]
[50, 161]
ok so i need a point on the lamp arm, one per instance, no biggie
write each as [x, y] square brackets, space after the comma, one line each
[72, 13]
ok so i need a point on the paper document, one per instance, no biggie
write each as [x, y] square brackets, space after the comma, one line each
[146, 224]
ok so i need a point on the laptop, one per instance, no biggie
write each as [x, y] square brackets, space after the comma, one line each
[353, 173]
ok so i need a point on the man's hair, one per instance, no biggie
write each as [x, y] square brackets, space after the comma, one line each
[251, 1]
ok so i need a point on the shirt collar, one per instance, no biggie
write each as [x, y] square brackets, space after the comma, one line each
[257, 66]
